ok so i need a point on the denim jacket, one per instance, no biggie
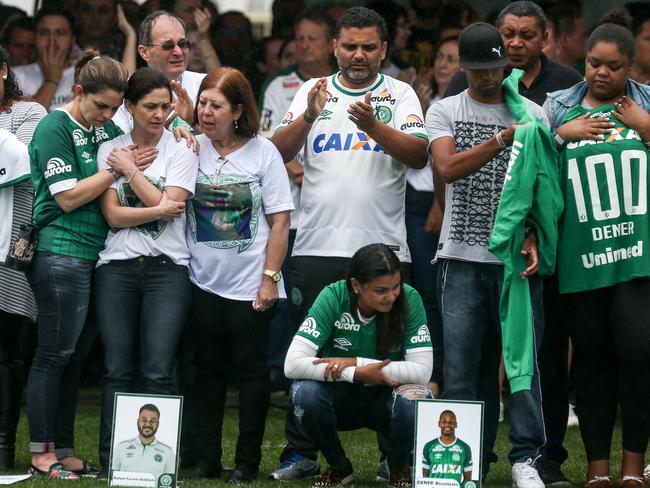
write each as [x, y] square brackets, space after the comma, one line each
[558, 103]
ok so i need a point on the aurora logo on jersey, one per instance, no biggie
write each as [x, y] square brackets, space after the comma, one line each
[100, 135]
[79, 137]
[610, 256]
[308, 327]
[354, 141]
[331, 98]
[422, 335]
[383, 96]
[346, 322]
[288, 118]
[412, 121]
[57, 166]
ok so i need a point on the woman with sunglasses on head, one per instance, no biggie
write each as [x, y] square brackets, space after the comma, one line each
[362, 338]
[239, 226]
[17, 307]
[603, 128]
[71, 232]
[141, 283]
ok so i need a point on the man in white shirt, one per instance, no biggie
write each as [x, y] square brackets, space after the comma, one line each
[163, 45]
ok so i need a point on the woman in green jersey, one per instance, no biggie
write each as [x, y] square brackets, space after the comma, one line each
[603, 127]
[362, 338]
[71, 232]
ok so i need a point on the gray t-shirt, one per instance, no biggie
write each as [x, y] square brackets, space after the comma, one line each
[471, 203]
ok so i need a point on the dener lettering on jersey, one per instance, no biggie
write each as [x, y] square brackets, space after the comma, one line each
[57, 166]
[422, 335]
[309, 327]
[346, 322]
[355, 141]
[610, 255]
[612, 231]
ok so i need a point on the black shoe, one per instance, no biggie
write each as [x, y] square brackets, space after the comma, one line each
[553, 475]
[243, 474]
[204, 470]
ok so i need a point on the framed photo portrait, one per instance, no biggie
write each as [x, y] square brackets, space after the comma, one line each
[146, 437]
[448, 444]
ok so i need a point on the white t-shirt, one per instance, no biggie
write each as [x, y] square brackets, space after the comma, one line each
[353, 190]
[30, 78]
[471, 203]
[274, 103]
[228, 231]
[189, 80]
[176, 165]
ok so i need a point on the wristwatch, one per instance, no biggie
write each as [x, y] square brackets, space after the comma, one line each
[274, 275]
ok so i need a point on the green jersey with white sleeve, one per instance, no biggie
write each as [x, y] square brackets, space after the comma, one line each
[604, 231]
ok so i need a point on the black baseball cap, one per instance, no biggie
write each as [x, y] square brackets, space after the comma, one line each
[480, 46]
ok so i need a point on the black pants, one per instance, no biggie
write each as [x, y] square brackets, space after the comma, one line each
[310, 275]
[230, 338]
[554, 372]
[610, 330]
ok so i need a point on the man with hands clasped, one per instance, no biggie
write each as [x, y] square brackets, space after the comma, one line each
[360, 129]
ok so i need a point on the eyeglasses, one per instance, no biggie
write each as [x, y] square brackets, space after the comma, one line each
[169, 45]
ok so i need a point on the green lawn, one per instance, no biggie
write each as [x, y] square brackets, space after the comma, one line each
[360, 446]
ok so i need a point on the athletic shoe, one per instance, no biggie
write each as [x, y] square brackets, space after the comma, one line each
[334, 477]
[572, 420]
[524, 475]
[502, 410]
[87, 470]
[296, 467]
[56, 472]
[383, 471]
[553, 475]
[401, 478]
[646, 474]
[242, 474]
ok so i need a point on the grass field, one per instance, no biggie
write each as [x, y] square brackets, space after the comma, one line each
[360, 446]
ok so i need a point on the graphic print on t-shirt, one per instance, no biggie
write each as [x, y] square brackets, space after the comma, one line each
[474, 199]
[128, 198]
[226, 215]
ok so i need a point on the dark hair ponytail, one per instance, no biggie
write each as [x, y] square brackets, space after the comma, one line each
[368, 263]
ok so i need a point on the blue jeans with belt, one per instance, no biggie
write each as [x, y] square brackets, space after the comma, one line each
[61, 286]
[469, 297]
[142, 306]
[321, 409]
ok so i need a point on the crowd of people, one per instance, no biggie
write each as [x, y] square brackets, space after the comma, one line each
[372, 206]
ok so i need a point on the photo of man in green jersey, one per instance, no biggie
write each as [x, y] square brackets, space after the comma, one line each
[447, 456]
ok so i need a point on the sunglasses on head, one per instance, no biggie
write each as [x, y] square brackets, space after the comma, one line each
[169, 45]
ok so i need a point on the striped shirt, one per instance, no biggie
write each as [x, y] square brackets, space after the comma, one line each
[17, 297]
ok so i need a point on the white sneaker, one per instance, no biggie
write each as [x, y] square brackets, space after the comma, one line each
[646, 474]
[572, 420]
[524, 475]
[502, 409]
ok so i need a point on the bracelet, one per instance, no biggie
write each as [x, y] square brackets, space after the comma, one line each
[307, 118]
[130, 178]
[500, 140]
[558, 139]
[50, 80]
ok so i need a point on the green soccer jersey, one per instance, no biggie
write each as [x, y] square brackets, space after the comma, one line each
[604, 230]
[63, 152]
[337, 332]
[447, 461]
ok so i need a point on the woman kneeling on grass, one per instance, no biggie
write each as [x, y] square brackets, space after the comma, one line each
[363, 338]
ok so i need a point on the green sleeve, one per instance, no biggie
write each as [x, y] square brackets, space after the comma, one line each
[416, 333]
[426, 462]
[53, 156]
[318, 325]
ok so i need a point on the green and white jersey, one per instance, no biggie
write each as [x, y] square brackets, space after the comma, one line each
[353, 190]
[336, 332]
[62, 152]
[604, 231]
[155, 458]
[447, 461]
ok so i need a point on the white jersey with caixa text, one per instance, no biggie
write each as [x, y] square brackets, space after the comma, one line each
[353, 190]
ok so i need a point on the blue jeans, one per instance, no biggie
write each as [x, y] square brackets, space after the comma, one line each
[142, 306]
[61, 286]
[423, 245]
[321, 409]
[469, 298]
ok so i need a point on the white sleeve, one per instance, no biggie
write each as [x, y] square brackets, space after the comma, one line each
[182, 168]
[298, 104]
[438, 121]
[272, 110]
[298, 364]
[416, 367]
[276, 193]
